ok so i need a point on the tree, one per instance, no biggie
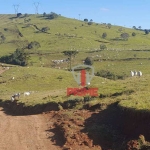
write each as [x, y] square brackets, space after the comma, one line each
[134, 27]
[88, 61]
[139, 27]
[125, 36]
[52, 15]
[109, 25]
[91, 20]
[133, 34]
[104, 35]
[103, 46]
[18, 15]
[86, 20]
[70, 54]
[44, 14]
[146, 31]
[19, 57]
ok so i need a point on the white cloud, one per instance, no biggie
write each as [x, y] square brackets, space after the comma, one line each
[104, 9]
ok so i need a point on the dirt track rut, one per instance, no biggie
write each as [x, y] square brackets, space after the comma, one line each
[24, 133]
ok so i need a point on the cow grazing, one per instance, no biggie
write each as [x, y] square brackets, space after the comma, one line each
[13, 97]
[27, 93]
[132, 73]
[139, 73]
[135, 73]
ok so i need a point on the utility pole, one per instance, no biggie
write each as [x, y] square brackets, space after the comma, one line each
[36, 4]
[79, 16]
[16, 8]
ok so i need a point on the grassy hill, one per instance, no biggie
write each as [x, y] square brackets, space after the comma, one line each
[119, 58]
[69, 34]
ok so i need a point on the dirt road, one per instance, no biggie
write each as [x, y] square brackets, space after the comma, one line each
[24, 133]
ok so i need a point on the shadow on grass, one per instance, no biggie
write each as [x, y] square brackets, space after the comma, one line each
[17, 108]
[14, 17]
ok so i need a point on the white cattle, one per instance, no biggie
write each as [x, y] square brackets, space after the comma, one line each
[132, 73]
[139, 73]
[27, 93]
[135, 73]
[13, 97]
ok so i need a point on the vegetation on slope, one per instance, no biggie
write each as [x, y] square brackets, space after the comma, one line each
[45, 39]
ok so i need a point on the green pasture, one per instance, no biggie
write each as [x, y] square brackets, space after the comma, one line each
[48, 83]
[66, 34]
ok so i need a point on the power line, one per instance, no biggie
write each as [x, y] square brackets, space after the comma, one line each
[36, 4]
[16, 7]
[79, 16]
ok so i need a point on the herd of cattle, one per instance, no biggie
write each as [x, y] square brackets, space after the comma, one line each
[60, 61]
[17, 95]
[136, 73]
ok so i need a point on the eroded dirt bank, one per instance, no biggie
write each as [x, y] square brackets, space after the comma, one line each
[94, 127]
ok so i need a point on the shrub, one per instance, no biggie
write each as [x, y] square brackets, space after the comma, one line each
[88, 61]
[19, 14]
[109, 75]
[125, 36]
[45, 29]
[5, 29]
[52, 15]
[103, 46]
[19, 57]
[104, 35]
[86, 20]
[133, 34]
[105, 74]
[34, 45]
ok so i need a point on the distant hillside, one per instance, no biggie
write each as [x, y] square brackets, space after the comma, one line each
[65, 34]
[45, 38]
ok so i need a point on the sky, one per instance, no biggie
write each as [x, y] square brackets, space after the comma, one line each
[127, 13]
